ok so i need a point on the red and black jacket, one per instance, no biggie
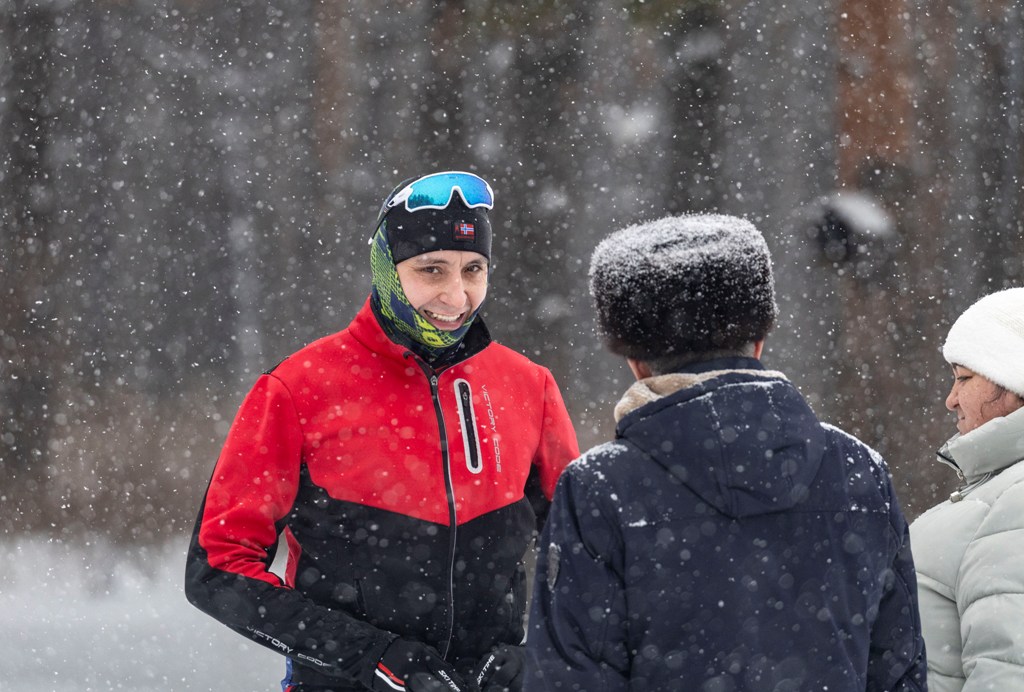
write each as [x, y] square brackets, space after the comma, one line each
[404, 494]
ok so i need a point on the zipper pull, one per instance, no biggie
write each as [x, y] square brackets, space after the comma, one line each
[958, 494]
[433, 381]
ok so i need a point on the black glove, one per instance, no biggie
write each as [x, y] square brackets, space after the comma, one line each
[415, 667]
[501, 670]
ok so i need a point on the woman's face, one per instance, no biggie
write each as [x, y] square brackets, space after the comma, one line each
[445, 286]
[976, 400]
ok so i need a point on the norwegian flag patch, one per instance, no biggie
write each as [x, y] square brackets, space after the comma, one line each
[465, 231]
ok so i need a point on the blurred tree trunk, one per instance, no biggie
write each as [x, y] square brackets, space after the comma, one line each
[538, 178]
[885, 365]
[348, 104]
[874, 111]
[962, 217]
[442, 112]
[387, 105]
[988, 180]
[779, 157]
[30, 251]
[695, 81]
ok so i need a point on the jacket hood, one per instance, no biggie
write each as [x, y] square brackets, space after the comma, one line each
[743, 439]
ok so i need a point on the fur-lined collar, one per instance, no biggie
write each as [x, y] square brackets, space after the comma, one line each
[653, 388]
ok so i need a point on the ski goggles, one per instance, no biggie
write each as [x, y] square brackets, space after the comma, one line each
[436, 191]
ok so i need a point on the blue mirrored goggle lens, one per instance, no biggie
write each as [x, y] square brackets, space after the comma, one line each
[437, 190]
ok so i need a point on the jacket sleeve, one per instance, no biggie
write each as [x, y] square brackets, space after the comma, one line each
[896, 655]
[577, 638]
[556, 448]
[990, 598]
[227, 576]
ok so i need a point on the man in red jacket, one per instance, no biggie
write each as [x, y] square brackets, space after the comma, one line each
[406, 459]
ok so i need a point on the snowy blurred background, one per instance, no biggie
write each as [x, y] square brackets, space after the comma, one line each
[187, 187]
[85, 616]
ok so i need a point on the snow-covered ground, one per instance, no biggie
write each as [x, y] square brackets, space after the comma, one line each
[83, 618]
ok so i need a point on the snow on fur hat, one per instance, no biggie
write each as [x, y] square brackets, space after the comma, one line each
[683, 285]
[989, 339]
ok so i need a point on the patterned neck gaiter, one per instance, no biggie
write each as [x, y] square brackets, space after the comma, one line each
[400, 316]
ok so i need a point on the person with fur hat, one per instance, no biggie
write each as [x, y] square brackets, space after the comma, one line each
[406, 461]
[968, 551]
[726, 539]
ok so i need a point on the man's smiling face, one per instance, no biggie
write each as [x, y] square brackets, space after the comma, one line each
[445, 286]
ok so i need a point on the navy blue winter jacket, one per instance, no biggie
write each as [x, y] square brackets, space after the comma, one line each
[726, 540]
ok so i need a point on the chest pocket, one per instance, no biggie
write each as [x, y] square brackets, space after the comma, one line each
[467, 421]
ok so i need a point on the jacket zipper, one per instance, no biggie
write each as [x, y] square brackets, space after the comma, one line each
[449, 487]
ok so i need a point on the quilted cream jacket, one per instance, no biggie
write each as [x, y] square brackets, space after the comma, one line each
[969, 554]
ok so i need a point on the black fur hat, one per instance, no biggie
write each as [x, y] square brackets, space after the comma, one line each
[683, 285]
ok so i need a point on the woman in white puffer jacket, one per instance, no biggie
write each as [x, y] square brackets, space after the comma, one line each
[969, 550]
